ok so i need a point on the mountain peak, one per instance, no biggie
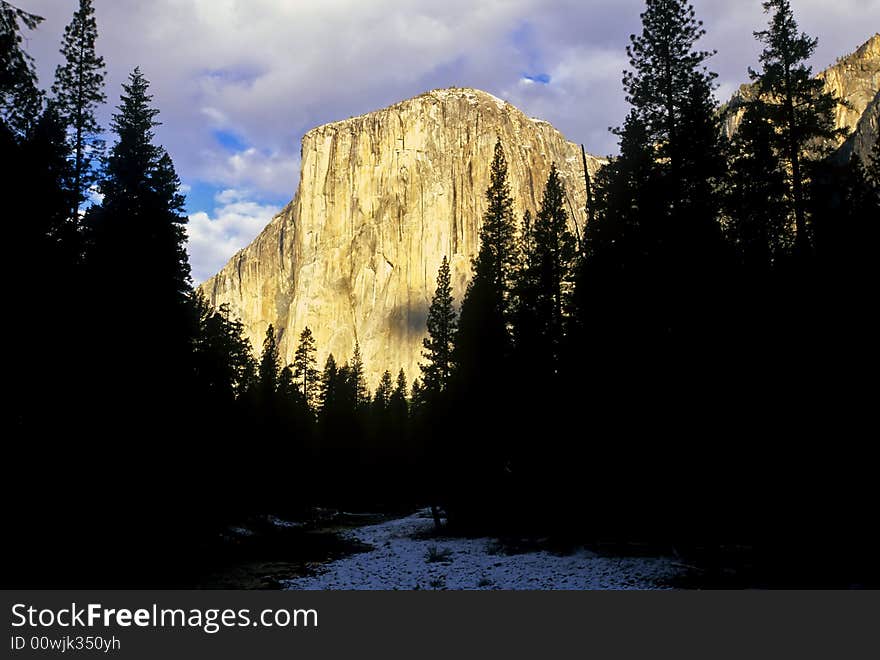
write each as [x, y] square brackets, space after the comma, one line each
[443, 96]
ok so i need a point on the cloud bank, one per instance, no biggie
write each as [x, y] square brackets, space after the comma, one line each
[239, 81]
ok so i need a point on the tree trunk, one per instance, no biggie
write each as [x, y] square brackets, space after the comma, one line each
[801, 242]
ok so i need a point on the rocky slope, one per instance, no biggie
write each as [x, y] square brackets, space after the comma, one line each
[381, 199]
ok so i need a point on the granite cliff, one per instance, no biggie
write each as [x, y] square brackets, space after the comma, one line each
[381, 199]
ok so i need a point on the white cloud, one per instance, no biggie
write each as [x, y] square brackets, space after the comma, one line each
[269, 173]
[235, 222]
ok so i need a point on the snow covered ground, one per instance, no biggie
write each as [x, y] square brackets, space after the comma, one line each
[400, 560]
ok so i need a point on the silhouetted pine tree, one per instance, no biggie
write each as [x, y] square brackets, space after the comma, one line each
[45, 247]
[269, 370]
[609, 312]
[497, 255]
[626, 190]
[439, 344]
[20, 99]
[328, 384]
[295, 415]
[417, 397]
[384, 391]
[135, 251]
[380, 428]
[284, 416]
[554, 259]
[483, 341]
[651, 292]
[795, 103]
[137, 302]
[305, 369]
[78, 92]
[46, 232]
[225, 369]
[137, 234]
[398, 404]
[357, 381]
[758, 218]
[670, 90]
[345, 393]
[337, 420]
[483, 348]
[525, 307]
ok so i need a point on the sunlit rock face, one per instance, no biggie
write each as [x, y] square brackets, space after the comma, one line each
[854, 79]
[862, 142]
[382, 198]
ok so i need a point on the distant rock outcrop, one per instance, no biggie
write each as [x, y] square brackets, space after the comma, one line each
[854, 79]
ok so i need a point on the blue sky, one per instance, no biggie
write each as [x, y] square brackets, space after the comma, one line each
[238, 82]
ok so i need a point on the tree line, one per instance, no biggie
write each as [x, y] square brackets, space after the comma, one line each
[692, 372]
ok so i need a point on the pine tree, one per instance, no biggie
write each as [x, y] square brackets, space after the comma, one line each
[78, 92]
[439, 344]
[357, 380]
[398, 403]
[483, 339]
[398, 412]
[136, 243]
[384, 392]
[526, 321]
[795, 103]
[138, 231]
[20, 98]
[417, 396]
[223, 360]
[329, 386]
[496, 260]
[526, 244]
[305, 370]
[648, 302]
[48, 231]
[554, 259]
[289, 394]
[525, 286]
[626, 193]
[133, 158]
[168, 207]
[670, 90]
[135, 250]
[758, 222]
[346, 395]
[296, 418]
[270, 364]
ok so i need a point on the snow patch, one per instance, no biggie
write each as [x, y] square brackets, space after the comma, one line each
[404, 559]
